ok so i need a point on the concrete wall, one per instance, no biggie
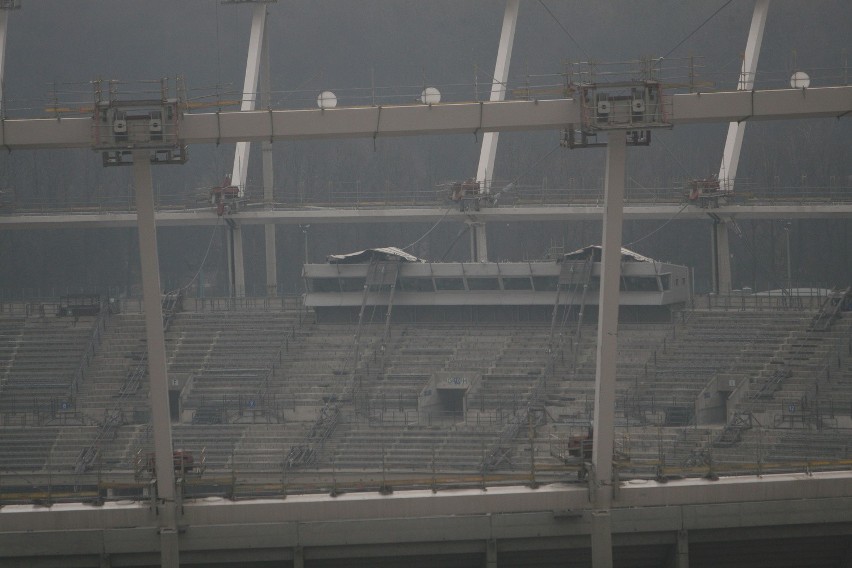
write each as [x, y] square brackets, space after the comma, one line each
[725, 523]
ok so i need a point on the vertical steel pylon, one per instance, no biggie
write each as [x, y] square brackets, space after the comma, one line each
[601, 482]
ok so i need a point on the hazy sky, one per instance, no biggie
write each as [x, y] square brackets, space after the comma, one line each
[342, 43]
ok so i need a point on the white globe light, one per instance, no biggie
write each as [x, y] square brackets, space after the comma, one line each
[327, 99]
[800, 80]
[430, 96]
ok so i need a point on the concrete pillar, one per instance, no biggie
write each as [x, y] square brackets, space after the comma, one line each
[271, 261]
[239, 268]
[169, 547]
[601, 539]
[268, 196]
[472, 238]
[158, 390]
[229, 253]
[491, 554]
[604, 416]
[721, 261]
[681, 559]
[478, 243]
[298, 557]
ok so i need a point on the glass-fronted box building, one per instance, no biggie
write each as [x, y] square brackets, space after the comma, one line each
[419, 290]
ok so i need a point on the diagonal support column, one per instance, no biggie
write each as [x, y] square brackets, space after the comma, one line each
[733, 147]
[241, 155]
[158, 390]
[736, 130]
[604, 417]
[488, 152]
[242, 152]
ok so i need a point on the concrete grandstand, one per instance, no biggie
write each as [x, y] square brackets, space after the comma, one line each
[267, 402]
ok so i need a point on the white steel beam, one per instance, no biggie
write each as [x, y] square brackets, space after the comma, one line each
[397, 120]
[736, 130]
[241, 155]
[156, 345]
[775, 104]
[444, 118]
[488, 151]
[239, 174]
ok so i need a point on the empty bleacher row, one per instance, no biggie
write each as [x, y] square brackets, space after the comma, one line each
[711, 345]
[255, 383]
[39, 357]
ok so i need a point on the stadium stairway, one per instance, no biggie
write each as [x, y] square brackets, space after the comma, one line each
[122, 347]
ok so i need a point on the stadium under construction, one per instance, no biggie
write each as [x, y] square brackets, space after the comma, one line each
[585, 409]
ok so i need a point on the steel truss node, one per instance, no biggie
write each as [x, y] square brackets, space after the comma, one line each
[577, 138]
[122, 125]
[619, 96]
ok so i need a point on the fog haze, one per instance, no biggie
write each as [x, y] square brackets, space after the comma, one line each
[56, 48]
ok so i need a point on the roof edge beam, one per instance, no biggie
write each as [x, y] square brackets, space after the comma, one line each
[444, 118]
